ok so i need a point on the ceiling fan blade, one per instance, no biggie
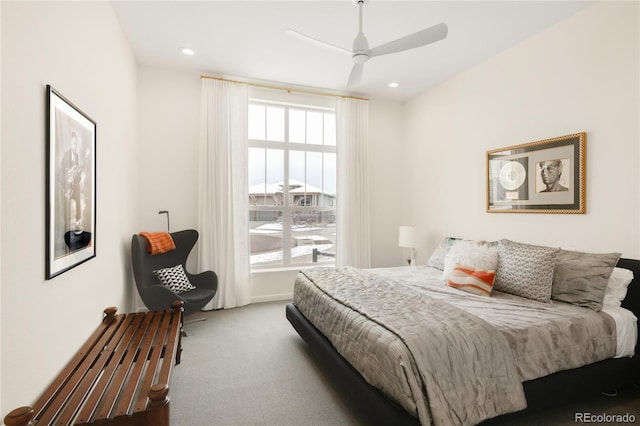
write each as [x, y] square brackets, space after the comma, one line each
[426, 36]
[304, 37]
[356, 74]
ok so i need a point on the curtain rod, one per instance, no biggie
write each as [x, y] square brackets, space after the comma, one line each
[267, 86]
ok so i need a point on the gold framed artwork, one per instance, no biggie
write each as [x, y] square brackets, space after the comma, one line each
[547, 176]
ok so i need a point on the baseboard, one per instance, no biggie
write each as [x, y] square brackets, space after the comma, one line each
[272, 298]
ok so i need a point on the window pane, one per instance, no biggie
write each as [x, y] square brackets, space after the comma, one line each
[314, 127]
[314, 174]
[257, 122]
[296, 126]
[266, 173]
[275, 169]
[313, 231]
[265, 237]
[329, 129]
[329, 180]
[257, 183]
[297, 166]
[275, 124]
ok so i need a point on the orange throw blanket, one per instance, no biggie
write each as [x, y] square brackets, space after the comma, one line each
[158, 242]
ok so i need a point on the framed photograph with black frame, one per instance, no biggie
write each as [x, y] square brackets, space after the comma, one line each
[71, 185]
[547, 176]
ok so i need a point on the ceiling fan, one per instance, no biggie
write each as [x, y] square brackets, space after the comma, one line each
[361, 52]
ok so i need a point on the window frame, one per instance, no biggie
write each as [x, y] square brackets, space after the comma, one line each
[289, 207]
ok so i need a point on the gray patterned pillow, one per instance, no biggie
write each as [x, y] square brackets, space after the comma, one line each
[174, 278]
[525, 270]
[581, 278]
[437, 258]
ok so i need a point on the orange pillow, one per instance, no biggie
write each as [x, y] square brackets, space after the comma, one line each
[476, 281]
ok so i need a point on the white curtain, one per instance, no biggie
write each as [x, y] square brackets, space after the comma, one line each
[223, 191]
[353, 240]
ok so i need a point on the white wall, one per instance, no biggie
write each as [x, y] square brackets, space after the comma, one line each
[78, 48]
[1, 410]
[387, 182]
[168, 112]
[169, 128]
[579, 75]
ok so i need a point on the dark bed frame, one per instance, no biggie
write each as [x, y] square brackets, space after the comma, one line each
[373, 406]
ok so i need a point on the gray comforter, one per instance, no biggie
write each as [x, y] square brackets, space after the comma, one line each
[458, 361]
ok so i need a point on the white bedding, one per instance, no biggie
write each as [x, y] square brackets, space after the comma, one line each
[626, 330]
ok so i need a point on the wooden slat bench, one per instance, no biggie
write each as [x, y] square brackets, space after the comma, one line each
[120, 376]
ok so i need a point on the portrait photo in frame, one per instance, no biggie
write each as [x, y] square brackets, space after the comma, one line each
[71, 186]
[547, 176]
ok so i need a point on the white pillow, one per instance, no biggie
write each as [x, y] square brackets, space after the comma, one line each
[471, 255]
[437, 257]
[616, 290]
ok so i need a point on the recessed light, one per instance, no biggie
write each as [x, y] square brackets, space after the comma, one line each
[187, 51]
[393, 85]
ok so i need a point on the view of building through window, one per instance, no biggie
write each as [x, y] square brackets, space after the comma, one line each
[292, 184]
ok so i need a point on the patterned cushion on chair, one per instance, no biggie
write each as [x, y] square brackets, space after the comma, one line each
[175, 279]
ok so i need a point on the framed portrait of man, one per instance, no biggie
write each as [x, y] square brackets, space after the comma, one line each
[546, 176]
[71, 185]
[553, 175]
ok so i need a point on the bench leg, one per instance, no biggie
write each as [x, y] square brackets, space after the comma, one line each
[158, 412]
[19, 417]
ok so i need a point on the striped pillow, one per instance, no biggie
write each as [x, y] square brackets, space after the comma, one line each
[476, 281]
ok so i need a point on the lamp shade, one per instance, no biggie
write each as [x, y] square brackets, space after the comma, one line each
[407, 237]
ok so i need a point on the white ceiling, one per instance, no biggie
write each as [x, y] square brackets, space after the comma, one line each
[246, 40]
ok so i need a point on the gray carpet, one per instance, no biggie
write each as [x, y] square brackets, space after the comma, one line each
[248, 366]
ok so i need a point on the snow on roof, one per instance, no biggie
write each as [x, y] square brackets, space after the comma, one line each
[295, 187]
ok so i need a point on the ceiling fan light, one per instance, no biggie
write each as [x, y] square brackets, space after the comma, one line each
[187, 51]
[360, 58]
[393, 84]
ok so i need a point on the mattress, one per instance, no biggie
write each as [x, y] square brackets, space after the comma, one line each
[626, 330]
[383, 360]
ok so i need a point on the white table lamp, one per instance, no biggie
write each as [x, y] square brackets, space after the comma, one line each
[407, 237]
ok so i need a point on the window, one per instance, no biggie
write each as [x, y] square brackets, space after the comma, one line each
[292, 184]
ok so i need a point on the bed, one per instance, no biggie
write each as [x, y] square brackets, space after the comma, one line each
[602, 364]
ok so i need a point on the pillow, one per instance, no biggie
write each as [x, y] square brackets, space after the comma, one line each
[175, 279]
[472, 255]
[437, 257]
[525, 270]
[471, 280]
[581, 278]
[617, 286]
